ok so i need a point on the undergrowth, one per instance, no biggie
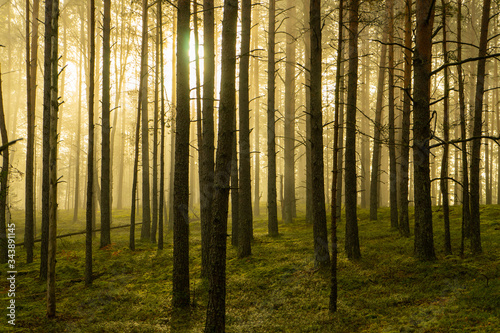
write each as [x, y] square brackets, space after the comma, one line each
[276, 289]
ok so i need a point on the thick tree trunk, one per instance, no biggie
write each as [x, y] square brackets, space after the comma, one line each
[422, 61]
[272, 207]
[181, 178]
[351, 235]
[106, 127]
[475, 193]
[216, 308]
[245, 189]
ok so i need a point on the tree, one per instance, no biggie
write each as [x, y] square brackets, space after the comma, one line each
[422, 61]
[245, 193]
[207, 149]
[162, 131]
[31, 66]
[392, 132]
[475, 231]
[106, 128]
[404, 223]
[289, 130]
[227, 108]
[446, 138]
[180, 276]
[272, 207]
[90, 154]
[351, 217]
[50, 110]
[146, 211]
[3, 181]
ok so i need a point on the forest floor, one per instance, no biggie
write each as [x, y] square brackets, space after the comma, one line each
[277, 289]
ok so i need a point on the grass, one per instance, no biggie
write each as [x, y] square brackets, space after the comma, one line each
[277, 289]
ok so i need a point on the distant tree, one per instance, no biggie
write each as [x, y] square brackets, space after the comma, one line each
[106, 128]
[351, 217]
[422, 61]
[289, 130]
[180, 274]
[3, 181]
[207, 149]
[146, 210]
[90, 153]
[475, 194]
[216, 307]
[272, 207]
[31, 67]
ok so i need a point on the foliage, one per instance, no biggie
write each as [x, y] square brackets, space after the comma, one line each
[277, 289]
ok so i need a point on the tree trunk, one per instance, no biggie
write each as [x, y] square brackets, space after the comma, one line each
[31, 67]
[422, 61]
[106, 128]
[446, 138]
[207, 149]
[475, 194]
[375, 172]
[245, 189]
[181, 169]
[161, 210]
[90, 154]
[216, 308]
[351, 217]
[289, 153]
[404, 220]
[235, 212]
[272, 207]
[307, 79]
[146, 210]
[4, 178]
[393, 179]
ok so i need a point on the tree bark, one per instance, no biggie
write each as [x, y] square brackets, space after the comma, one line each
[422, 61]
[475, 194]
[272, 206]
[245, 189]
[181, 169]
[4, 178]
[351, 235]
[216, 308]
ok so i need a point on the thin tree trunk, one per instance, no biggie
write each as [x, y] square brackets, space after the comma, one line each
[351, 217]
[135, 172]
[235, 212]
[307, 79]
[272, 206]
[216, 308]
[106, 128]
[32, 60]
[4, 178]
[162, 131]
[78, 130]
[446, 137]
[475, 194]
[245, 189]
[89, 223]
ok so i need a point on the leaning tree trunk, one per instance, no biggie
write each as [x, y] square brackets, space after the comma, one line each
[422, 61]
[475, 195]
[216, 309]
[351, 217]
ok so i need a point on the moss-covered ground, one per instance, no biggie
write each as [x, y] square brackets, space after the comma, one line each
[277, 289]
